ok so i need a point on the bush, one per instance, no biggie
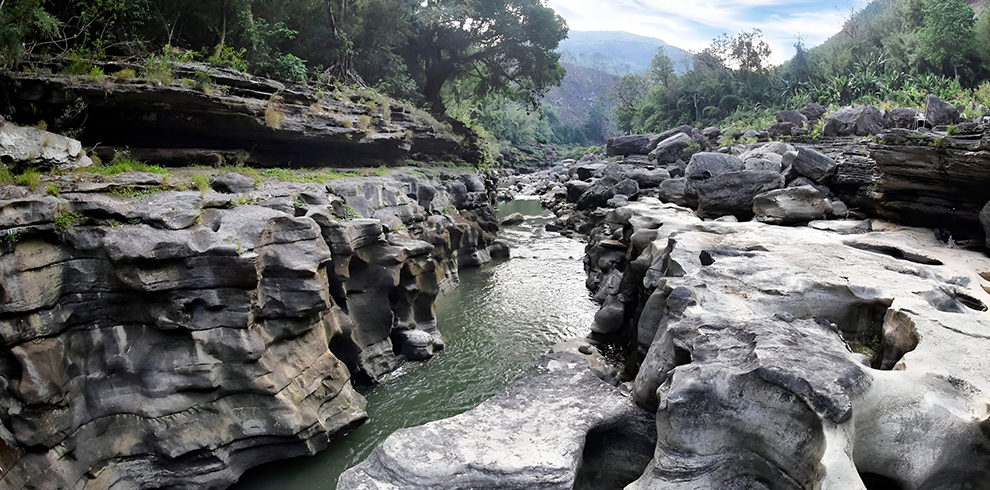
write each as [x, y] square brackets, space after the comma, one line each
[53, 190]
[31, 178]
[67, 220]
[124, 75]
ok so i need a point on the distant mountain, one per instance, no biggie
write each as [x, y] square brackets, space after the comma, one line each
[578, 92]
[618, 52]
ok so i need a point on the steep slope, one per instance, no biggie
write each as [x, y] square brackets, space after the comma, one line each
[578, 92]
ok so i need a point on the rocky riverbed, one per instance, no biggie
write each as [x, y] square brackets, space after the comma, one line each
[776, 336]
[156, 336]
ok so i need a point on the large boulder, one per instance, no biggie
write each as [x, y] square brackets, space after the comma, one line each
[648, 179]
[598, 194]
[906, 118]
[732, 193]
[794, 117]
[939, 112]
[559, 428]
[706, 165]
[842, 122]
[813, 111]
[791, 205]
[635, 144]
[810, 163]
[673, 191]
[671, 149]
[870, 121]
[23, 147]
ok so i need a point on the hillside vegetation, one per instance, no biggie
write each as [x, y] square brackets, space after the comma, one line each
[891, 54]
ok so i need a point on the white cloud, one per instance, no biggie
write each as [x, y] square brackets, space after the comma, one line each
[692, 25]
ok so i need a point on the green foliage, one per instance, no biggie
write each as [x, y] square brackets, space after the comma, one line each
[53, 190]
[6, 177]
[66, 220]
[224, 55]
[124, 75]
[157, 70]
[30, 178]
[947, 34]
[121, 163]
[201, 182]
[23, 23]
[306, 175]
[10, 239]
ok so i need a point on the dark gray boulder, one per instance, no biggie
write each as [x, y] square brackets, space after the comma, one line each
[842, 122]
[813, 111]
[939, 112]
[648, 179]
[791, 205]
[870, 121]
[670, 149]
[706, 165]
[794, 117]
[811, 164]
[598, 194]
[673, 191]
[906, 118]
[733, 192]
[628, 145]
[232, 183]
[626, 187]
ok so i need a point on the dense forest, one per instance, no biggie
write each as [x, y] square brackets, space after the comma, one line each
[427, 52]
[489, 62]
[891, 54]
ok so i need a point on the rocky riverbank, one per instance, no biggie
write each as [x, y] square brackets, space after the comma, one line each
[153, 335]
[783, 334]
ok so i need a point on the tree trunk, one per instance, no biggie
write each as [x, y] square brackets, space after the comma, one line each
[223, 32]
[431, 91]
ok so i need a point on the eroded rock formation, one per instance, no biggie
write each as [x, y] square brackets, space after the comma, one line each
[212, 115]
[813, 357]
[173, 339]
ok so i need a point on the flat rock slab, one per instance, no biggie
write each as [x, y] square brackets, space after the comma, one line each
[531, 436]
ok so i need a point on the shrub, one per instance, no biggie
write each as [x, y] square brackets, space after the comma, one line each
[201, 182]
[364, 122]
[124, 75]
[157, 71]
[53, 190]
[67, 220]
[31, 178]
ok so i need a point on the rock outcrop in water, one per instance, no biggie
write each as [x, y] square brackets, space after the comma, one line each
[153, 337]
[822, 356]
[840, 354]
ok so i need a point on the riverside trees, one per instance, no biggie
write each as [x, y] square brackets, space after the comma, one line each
[408, 48]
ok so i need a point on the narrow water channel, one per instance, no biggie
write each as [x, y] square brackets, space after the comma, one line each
[496, 324]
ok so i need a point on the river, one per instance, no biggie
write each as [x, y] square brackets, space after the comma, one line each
[496, 324]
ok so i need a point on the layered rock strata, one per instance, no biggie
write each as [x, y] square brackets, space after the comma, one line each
[156, 338]
[827, 356]
[210, 114]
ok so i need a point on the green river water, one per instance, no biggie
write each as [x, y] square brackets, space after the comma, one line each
[496, 324]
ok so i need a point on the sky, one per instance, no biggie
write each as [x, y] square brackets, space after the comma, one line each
[692, 24]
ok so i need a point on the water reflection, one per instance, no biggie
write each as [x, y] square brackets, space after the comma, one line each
[496, 324]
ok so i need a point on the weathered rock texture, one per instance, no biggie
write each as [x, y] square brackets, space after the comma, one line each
[774, 358]
[933, 179]
[237, 117]
[744, 329]
[177, 340]
[559, 428]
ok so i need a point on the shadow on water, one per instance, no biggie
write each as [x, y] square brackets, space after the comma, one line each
[496, 324]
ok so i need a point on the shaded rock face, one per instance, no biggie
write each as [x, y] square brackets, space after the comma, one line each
[275, 122]
[175, 341]
[751, 376]
[559, 428]
[932, 179]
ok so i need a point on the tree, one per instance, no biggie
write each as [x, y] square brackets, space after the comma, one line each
[507, 45]
[947, 33]
[662, 67]
[749, 51]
